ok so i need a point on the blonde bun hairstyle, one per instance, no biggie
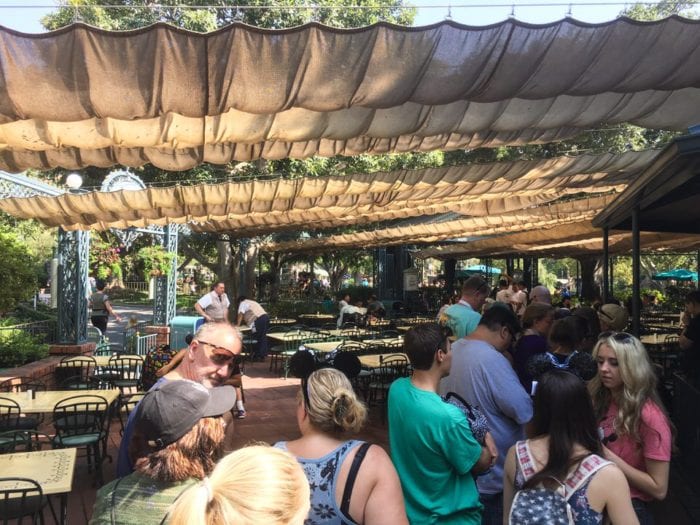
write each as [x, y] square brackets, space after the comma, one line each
[333, 407]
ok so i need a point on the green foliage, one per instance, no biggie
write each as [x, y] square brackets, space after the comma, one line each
[105, 260]
[674, 299]
[39, 240]
[27, 314]
[156, 261]
[17, 271]
[662, 9]
[607, 139]
[203, 20]
[18, 348]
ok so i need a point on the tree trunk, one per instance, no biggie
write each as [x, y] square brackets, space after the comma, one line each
[224, 268]
[250, 263]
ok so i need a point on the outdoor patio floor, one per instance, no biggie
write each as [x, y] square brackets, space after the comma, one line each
[270, 405]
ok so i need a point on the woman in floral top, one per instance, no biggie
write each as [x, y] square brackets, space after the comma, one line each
[327, 413]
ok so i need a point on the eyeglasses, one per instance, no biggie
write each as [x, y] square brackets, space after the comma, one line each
[621, 337]
[218, 359]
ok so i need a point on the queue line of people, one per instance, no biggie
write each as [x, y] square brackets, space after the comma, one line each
[614, 415]
[438, 471]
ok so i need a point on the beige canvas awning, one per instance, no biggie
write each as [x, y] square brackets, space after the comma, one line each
[247, 209]
[567, 240]
[81, 96]
[523, 220]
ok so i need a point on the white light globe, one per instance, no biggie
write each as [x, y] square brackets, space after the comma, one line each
[74, 181]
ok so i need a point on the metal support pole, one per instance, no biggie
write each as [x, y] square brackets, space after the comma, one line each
[612, 273]
[606, 287]
[636, 272]
[449, 271]
[165, 302]
[527, 273]
[73, 261]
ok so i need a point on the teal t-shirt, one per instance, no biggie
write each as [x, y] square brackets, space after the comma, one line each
[462, 319]
[433, 451]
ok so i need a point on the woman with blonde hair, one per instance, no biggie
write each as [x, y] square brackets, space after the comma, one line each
[352, 481]
[634, 428]
[253, 485]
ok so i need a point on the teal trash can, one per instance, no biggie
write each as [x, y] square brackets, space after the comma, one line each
[180, 327]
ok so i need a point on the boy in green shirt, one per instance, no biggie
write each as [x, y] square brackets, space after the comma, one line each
[432, 446]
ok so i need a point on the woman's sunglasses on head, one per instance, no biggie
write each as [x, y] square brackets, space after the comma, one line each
[621, 337]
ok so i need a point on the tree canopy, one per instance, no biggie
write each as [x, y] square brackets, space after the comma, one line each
[277, 14]
[17, 272]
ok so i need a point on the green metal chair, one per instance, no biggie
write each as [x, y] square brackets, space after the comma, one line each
[23, 441]
[82, 421]
[11, 417]
[23, 498]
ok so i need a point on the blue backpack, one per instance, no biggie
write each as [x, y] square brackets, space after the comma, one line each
[544, 506]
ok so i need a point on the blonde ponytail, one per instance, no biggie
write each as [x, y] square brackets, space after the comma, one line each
[251, 486]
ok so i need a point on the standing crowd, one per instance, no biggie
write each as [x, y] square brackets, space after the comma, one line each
[555, 422]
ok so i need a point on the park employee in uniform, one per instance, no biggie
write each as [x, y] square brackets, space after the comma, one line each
[256, 317]
[214, 305]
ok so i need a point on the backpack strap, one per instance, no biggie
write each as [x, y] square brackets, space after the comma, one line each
[524, 458]
[352, 475]
[588, 467]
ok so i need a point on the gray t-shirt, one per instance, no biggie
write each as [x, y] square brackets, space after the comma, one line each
[485, 378]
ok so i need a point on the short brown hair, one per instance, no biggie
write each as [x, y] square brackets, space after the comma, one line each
[422, 342]
[474, 284]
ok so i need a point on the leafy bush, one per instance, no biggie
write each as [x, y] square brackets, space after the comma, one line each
[127, 295]
[17, 274]
[156, 261]
[18, 348]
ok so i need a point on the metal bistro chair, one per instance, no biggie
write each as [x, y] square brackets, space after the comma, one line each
[23, 441]
[21, 498]
[276, 350]
[391, 368]
[356, 347]
[291, 345]
[126, 372]
[83, 421]
[126, 405]
[11, 417]
[76, 373]
[94, 335]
